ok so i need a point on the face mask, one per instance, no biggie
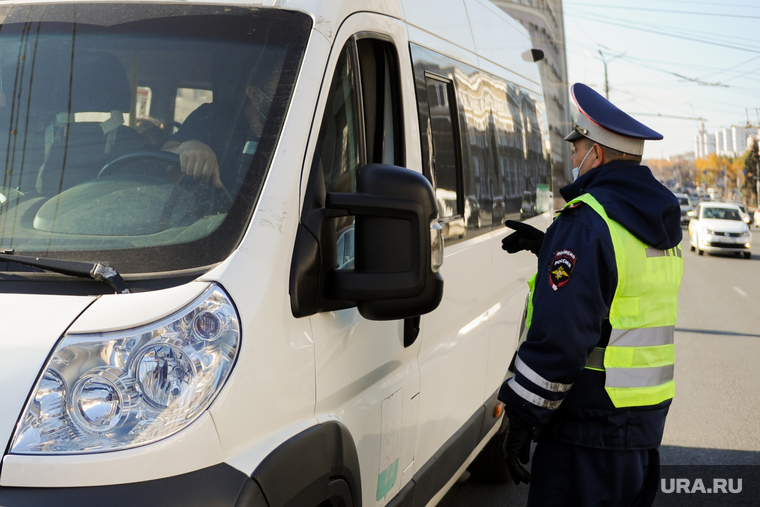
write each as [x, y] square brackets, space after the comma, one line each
[577, 170]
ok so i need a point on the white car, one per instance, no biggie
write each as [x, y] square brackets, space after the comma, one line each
[686, 207]
[719, 228]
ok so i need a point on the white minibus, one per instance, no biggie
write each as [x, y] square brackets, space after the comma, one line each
[250, 251]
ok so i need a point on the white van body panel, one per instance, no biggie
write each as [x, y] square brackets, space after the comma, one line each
[26, 340]
[447, 20]
[329, 15]
[455, 339]
[509, 292]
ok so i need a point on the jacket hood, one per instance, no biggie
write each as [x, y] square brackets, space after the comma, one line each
[633, 197]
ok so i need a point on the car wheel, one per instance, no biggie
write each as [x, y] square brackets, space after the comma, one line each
[692, 247]
[747, 255]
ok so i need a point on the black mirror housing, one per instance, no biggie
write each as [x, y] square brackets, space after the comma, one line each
[393, 277]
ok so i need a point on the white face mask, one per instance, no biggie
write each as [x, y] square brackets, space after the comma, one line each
[577, 170]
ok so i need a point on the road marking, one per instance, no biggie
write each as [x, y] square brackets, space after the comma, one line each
[737, 289]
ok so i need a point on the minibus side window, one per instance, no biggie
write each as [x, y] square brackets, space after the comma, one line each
[359, 127]
[445, 154]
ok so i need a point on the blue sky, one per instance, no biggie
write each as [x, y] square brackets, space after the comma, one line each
[674, 58]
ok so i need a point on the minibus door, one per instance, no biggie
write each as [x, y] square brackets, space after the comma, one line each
[367, 372]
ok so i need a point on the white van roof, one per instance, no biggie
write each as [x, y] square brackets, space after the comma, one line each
[475, 32]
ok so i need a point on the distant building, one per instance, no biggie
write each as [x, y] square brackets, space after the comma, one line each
[740, 135]
[708, 144]
[724, 142]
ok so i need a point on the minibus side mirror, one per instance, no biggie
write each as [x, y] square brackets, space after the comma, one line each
[394, 275]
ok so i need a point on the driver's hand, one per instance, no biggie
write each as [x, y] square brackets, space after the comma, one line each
[198, 162]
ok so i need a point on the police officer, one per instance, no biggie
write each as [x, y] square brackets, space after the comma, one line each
[594, 378]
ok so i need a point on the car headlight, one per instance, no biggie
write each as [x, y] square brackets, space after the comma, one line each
[705, 230]
[108, 391]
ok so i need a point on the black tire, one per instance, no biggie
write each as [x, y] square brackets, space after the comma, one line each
[692, 247]
[700, 252]
[490, 466]
[747, 255]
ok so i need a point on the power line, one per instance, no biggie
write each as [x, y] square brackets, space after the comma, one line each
[697, 68]
[659, 115]
[686, 32]
[693, 39]
[663, 10]
[707, 3]
[731, 68]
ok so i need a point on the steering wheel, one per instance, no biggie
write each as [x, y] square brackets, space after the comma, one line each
[114, 164]
[112, 167]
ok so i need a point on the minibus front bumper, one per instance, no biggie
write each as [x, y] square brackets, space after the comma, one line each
[217, 486]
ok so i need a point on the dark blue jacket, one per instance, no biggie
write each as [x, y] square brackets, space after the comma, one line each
[570, 317]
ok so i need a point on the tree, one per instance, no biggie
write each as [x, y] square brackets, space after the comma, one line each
[751, 170]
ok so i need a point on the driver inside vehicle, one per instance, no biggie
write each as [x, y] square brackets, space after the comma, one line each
[216, 142]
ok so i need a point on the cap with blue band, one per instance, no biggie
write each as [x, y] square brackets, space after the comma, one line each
[602, 122]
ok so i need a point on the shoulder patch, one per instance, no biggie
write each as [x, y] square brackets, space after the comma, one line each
[561, 268]
[568, 208]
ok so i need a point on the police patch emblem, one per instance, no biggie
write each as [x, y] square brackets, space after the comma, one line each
[561, 268]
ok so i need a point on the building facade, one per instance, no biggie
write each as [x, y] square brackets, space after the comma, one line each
[727, 142]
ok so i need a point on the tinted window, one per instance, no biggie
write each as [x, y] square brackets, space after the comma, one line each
[500, 132]
[445, 155]
[721, 213]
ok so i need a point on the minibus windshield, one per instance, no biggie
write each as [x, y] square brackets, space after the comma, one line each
[137, 135]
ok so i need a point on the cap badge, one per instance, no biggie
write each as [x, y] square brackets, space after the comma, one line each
[580, 130]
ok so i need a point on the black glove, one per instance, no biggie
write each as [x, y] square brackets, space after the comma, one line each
[526, 237]
[517, 446]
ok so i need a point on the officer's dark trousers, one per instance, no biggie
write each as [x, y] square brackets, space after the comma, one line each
[568, 475]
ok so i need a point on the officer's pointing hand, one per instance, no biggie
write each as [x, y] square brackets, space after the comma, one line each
[525, 237]
[517, 447]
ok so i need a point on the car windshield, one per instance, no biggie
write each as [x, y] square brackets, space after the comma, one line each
[722, 213]
[683, 201]
[95, 101]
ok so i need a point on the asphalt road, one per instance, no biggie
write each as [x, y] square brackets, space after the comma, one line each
[713, 428]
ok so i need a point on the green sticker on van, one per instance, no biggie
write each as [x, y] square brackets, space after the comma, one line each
[386, 480]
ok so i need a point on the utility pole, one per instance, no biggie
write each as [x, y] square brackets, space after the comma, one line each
[606, 81]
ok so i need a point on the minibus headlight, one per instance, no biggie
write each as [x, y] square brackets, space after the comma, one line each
[109, 391]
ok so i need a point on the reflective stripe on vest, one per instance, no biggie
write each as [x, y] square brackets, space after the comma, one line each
[639, 358]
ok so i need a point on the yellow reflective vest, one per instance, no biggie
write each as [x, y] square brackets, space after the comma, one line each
[639, 358]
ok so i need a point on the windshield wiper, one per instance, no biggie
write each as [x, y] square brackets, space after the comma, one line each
[96, 271]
